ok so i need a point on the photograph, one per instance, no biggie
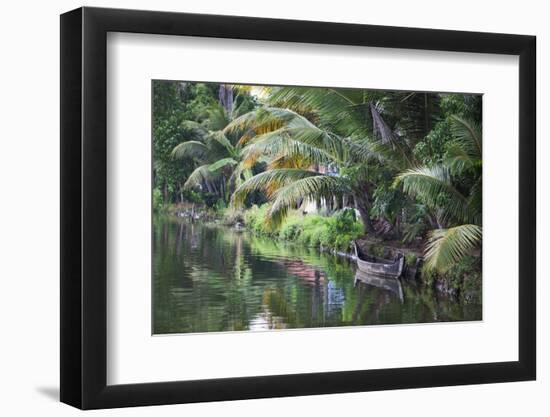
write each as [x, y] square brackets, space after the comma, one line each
[292, 207]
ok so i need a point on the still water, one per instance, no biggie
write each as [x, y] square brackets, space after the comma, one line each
[210, 278]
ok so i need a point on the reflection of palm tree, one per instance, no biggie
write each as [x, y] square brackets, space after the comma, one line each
[239, 266]
[274, 300]
[317, 298]
[180, 239]
[361, 295]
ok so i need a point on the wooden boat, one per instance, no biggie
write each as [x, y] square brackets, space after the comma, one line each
[378, 266]
[388, 284]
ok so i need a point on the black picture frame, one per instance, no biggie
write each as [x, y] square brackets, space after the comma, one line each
[84, 207]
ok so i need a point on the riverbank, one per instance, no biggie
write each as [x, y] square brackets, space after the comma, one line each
[334, 235]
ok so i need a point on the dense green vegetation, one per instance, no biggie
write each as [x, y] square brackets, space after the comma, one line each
[189, 148]
[313, 230]
[324, 166]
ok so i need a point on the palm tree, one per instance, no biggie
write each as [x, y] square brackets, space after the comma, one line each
[310, 128]
[453, 189]
[295, 150]
[216, 154]
[393, 121]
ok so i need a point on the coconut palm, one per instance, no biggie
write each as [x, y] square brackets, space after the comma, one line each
[346, 129]
[299, 154]
[452, 189]
[216, 154]
[394, 122]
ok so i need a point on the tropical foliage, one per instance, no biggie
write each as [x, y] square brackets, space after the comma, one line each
[217, 158]
[408, 163]
[442, 188]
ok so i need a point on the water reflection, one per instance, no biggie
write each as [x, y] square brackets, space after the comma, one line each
[210, 278]
[390, 284]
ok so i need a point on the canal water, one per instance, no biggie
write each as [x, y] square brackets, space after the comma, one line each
[210, 278]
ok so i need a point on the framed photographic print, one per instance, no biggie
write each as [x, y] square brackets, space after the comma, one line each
[257, 208]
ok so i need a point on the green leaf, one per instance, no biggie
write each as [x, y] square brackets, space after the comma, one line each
[269, 182]
[467, 132]
[199, 175]
[295, 192]
[446, 247]
[428, 184]
[222, 163]
[190, 149]
[220, 138]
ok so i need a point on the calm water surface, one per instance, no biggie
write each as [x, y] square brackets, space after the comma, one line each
[210, 278]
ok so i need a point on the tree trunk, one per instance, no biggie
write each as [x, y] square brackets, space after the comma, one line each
[434, 220]
[226, 98]
[363, 207]
[209, 188]
[214, 188]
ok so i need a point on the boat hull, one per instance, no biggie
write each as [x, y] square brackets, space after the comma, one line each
[380, 267]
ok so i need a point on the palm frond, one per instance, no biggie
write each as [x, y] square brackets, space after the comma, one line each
[190, 149]
[257, 122]
[459, 159]
[446, 247]
[195, 129]
[269, 182]
[217, 117]
[220, 138]
[241, 123]
[362, 150]
[322, 140]
[239, 175]
[290, 161]
[429, 183]
[475, 201]
[464, 152]
[222, 163]
[199, 175]
[343, 110]
[309, 145]
[468, 134]
[292, 194]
